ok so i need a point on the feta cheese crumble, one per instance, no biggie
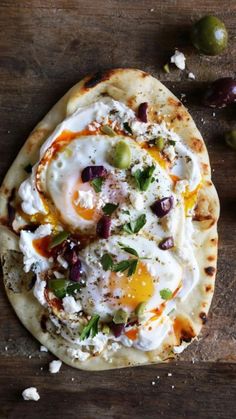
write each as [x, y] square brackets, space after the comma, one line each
[85, 199]
[70, 305]
[38, 291]
[43, 349]
[178, 59]
[54, 366]
[32, 259]
[31, 393]
[191, 76]
[136, 200]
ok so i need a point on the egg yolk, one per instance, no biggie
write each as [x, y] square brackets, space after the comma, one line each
[190, 198]
[135, 289]
[156, 155]
[85, 213]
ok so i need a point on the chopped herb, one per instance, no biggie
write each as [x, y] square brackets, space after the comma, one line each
[128, 249]
[58, 286]
[107, 262]
[62, 287]
[125, 212]
[28, 168]
[58, 239]
[106, 129]
[72, 288]
[144, 177]
[166, 294]
[127, 128]
[97, 184]
[91, 328]
[171, 142]
[108, 209]
[134, 227]
[130, 265]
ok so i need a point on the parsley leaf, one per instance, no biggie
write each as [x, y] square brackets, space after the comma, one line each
[125, 212]
[91, 328]
[127, 128]
[73, 288]
[144, 177]
[171, 142]
[97, 184]
[107, 262]
[130, 264]
[166, 294]
[134, 227]
[128, 249]
[108, 209]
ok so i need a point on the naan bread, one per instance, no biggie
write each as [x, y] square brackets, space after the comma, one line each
[131, 87]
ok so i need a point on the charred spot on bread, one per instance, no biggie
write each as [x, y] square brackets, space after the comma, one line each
[210, 270]
[203, 317]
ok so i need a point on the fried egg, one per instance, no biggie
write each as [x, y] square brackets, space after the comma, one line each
[107, 291]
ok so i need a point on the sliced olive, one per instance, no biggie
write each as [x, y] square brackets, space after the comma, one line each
[209, 35]
[58, 286]
[122, 155]
[230, 138]
[106, 129]
[159, 143]
[58, 239]
[120, 317]
[106, 329]
[140, 309]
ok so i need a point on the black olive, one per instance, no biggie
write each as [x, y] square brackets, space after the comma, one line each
[220, 93]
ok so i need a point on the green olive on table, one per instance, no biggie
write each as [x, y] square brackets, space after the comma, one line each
[122, 155]
[209, 35]
[230, 138]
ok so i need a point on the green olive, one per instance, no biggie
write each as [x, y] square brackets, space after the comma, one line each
[159, 143]
[230, 138]
[120, 316]
[122, 155]
[105, 329]
[140, 309]
[209, 35]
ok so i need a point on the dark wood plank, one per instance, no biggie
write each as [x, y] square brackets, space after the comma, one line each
[45, 47]
[202, 390]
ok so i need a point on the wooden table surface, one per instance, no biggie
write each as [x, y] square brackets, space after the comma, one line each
[45, 47]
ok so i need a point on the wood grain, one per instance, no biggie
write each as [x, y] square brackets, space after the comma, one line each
[45, 47]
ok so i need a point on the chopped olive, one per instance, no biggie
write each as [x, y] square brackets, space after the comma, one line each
[159, 143]
[106, 129]
[140, 309]
[230, 138]
[209, 35]
[120, 317]
[106, 329]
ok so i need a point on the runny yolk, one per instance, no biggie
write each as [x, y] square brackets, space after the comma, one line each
[156, 155]
[86, 213]
[41, 246]
[190, 198]
[135, 289]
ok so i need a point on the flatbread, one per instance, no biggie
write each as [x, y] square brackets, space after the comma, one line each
[131, 87]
